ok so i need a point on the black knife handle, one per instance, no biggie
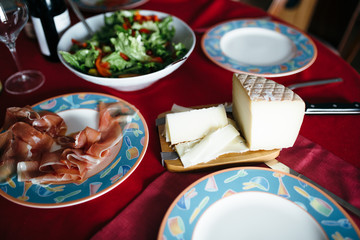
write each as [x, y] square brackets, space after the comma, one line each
[333, 108]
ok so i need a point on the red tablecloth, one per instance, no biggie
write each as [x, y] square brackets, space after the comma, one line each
[197, 82]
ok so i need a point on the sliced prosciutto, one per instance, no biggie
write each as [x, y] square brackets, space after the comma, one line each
[21, 142]
[80, 154]
[48, 122]
[53, 167]
[97, 143]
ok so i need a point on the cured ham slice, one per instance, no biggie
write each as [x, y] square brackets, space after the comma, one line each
[97, 142]
[35, 140]
[7, 165]
[81, 154]
[48, 122]
[7, 169]
[82, 139]
[52, 168]
[21, 142]
[17, 114]
[29, 171]
[109, 137]
[112, 111]
[59, 172]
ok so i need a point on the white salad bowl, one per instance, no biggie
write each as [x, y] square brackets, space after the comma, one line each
[183, 34]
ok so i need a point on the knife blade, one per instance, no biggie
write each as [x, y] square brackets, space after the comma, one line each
[80, 17]
[324, 108]
[313, 83]
[332, 108]
[276, 165]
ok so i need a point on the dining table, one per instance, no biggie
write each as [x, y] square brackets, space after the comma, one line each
[327, 149]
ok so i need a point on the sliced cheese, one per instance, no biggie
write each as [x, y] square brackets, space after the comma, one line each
[177, 108]
[237, 145]
[194, 124]
[174, 109]
[208, 148]
[268, 114]
[185, 147]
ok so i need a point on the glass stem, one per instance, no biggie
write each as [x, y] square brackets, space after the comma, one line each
[12, 48]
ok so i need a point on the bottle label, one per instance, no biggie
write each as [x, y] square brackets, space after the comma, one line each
[62, 21]
[40, 35]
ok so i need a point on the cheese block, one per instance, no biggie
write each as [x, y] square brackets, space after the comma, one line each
[268, 114]
[194, 124]
[208, 148]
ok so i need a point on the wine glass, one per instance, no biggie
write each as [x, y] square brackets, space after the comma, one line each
[13, 16]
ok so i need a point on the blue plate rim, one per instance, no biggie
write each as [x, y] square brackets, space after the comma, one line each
[237, 169]
[243, 69]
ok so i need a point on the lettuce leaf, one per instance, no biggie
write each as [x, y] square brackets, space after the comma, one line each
[82, 59]
[117, 63]
[130, 46]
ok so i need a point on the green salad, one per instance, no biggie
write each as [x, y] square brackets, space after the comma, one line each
[129, 44]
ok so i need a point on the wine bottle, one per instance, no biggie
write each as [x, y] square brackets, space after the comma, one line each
[50, 19]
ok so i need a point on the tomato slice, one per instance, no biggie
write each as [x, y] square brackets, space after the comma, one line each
[124, 56]
[80, 44]
[102, 68]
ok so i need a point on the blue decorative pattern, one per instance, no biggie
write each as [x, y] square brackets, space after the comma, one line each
[135, 131]
[182, 216]
[305, 48]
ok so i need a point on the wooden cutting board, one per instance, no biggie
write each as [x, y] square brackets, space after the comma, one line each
[172, 162]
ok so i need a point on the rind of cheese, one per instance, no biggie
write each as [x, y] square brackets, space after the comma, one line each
[194, 124]
[208, 148]
[268, 114]
[177, 108]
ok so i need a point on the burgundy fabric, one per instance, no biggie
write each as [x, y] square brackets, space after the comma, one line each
[197, 82]
[326, 169]
[148, 209]
[306, 157]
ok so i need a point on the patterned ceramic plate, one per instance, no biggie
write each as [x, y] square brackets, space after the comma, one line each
[255, 203]
[107, 5]
[80, 110]
[260, 47]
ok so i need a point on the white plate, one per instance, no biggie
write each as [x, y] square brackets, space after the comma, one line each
[259, 47]
[78, 111]
[255, 203]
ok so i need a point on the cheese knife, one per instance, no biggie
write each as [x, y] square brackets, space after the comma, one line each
[276, 165]
[332, 108]
[327, 108]
[313, 83]
[324, 108]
